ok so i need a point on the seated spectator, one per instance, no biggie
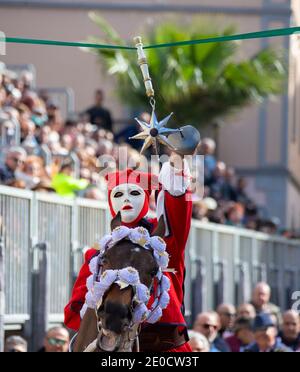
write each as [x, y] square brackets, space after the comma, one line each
[55, 120]
[217, 216]
[57, 340]
[261, 301]
[290, 334]
[246, 311]
[95, 193]
[243, 335]
[269, 226]
[43, 134]
[98, 115]
[39, 116]
[241, 194]
[28, 127]
[228, 190]
[15, 344]
[65, 184]
[33, 172]
[79, 143]
[252, 223]
[208, 324]
[235, 215]
[43, 186]
[198, 342]
[14, 160]
[8, 130]
[67, 142]
[207, 148]
[227, 314]
[265, 334]
[17, 184]
[218, 181]
[3, 96]
[200, 211]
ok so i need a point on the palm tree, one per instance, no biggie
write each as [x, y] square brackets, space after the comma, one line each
[199, 83]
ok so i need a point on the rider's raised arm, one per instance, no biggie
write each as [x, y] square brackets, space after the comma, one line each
[174, 203]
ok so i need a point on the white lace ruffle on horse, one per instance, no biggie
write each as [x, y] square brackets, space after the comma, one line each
[98, 286]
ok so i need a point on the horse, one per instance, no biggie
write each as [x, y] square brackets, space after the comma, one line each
[110, 327]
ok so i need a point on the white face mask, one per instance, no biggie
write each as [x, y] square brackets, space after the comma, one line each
[128, 199]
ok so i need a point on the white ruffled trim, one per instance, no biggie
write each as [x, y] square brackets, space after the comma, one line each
[130, 276]
[90, 282]
[93, 264]
[120, 233]
[158, 244]
[140, 236]
[104, 242]
[89, 300]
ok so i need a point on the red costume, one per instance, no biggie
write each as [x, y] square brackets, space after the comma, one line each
[177, 210]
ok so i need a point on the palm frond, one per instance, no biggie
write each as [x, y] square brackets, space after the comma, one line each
[199, 83]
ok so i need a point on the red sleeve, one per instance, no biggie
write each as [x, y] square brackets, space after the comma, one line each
[178, 213]
[72, 310]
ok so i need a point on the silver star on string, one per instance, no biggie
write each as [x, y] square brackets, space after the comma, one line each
[155, 133]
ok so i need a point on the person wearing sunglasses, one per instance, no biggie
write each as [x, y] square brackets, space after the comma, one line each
[14, 161]
[208, 324]
[227, 314]
[57, 340]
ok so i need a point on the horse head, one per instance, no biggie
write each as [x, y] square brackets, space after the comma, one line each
[120, 311]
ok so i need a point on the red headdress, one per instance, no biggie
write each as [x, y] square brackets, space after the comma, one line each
[148, 182]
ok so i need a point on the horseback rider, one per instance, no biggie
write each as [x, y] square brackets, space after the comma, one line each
[129, 193]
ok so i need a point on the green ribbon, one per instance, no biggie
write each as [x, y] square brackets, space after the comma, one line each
[252, 35]
[18, 40]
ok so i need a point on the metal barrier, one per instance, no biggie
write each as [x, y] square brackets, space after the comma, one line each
[69, 227]
[16, 222]
[223, 263]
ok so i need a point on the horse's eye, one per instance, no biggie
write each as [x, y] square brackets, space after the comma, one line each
[119, 194]
[135, 193]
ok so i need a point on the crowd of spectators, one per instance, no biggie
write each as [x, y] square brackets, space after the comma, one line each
[56, 340]
[257, 326]
[41, 151]
[226, 200]
[52, 154]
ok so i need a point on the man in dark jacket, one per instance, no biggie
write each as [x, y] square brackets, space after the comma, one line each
[208, 324]
[290, 334]
[98, 115]
[243, 335]
[265, 334]
[56, 340]
[261, 301]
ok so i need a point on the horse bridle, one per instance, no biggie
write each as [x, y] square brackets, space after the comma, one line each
[132, 331]
[129, 277]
